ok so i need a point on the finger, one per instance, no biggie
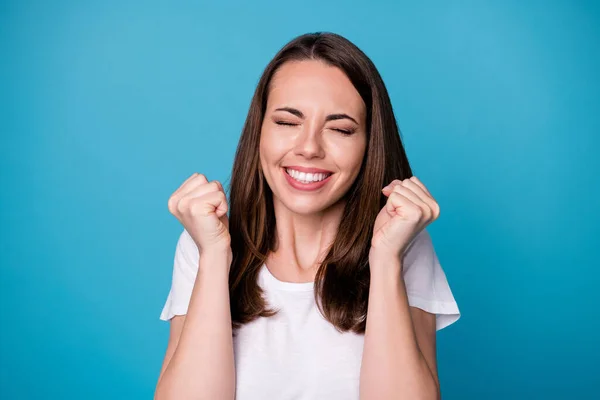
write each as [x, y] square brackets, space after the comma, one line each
[421, 185]
[410, 184]
[412, 196]
[423, 208]
[424, 194]
[190, 185]
[195, 174]
[196, 192]
[208, 203]
[392, 184]
[220, 185]
[174, 198]
[399, 204]
[389, 189]
[431, 209]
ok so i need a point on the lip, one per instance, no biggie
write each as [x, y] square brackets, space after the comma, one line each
[308, 169]
[305, 186]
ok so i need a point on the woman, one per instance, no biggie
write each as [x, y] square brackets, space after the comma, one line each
[319, 284]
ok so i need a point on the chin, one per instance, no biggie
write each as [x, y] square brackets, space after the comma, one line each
[303, 207]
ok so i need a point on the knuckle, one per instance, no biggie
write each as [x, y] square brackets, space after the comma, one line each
[395, 197]
[416, 216]
[172, 204]
[195, 208]
[427, 212]
[182, 205]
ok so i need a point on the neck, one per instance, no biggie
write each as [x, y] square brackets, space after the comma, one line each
[302, 241]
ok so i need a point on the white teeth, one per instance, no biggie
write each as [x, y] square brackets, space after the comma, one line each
[306, 177]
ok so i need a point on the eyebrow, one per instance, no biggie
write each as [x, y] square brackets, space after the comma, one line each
[330, 117]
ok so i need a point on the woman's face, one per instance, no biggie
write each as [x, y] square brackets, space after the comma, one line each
[313, 136]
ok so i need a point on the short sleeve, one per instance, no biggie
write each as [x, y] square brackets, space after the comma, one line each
[426, 284]
[185, 268]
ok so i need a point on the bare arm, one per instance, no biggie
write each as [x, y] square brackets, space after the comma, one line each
[399, 350]
[199, 361]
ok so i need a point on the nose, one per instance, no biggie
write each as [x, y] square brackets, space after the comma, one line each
[308, 143]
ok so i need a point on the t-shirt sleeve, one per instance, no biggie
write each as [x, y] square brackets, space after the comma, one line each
[426, 284]
[185, 268]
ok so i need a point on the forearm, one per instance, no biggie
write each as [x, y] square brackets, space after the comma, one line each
[393, 366]
[202, 366]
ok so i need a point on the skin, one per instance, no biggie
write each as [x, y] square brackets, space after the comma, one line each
[399, 357]
[307, 222]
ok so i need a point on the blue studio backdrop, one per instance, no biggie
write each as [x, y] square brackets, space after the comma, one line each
[107, 106]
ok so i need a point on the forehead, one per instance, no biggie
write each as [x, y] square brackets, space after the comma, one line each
[313, 86]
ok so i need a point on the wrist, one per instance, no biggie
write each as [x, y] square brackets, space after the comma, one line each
[389, 265]
[215, 260]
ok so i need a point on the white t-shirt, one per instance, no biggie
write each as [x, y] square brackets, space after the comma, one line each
[297, 354]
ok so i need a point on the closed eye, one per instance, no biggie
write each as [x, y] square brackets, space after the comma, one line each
[343, 131]
[285, 123]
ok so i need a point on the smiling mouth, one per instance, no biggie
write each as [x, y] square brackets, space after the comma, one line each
[306, 178]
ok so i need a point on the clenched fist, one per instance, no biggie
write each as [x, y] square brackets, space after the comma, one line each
[201, 207]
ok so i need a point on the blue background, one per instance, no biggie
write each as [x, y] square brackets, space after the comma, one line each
[107, 106]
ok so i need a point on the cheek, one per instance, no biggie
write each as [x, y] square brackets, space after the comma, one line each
[266, 148]
[349, 156]
[272, 146]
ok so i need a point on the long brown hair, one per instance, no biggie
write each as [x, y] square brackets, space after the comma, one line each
[342, 280]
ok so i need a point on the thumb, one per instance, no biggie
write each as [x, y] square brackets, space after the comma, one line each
[221, 209]
[215, 202]
[392, 206]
